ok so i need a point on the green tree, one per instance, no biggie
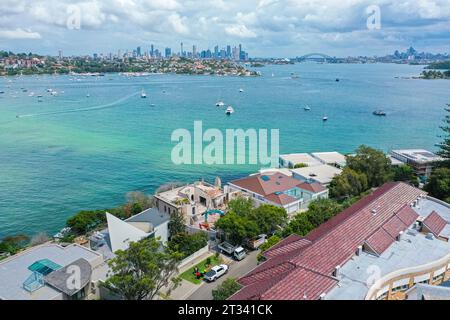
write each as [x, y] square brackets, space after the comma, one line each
[373, 163]
[320, 211]
[405, 173]
[176, 224]
[241, 206]
[300, 225]
[13, 244]
[187, 244]
[237, 227]
[268, 218]
[273, 240]
[140, 272]
[85, 221]
[438, 185]
[347, 184]
[225, 290]
[444, 146]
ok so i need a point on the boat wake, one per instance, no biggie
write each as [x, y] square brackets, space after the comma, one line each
[104, 106]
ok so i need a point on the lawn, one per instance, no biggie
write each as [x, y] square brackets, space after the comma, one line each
[189, 274]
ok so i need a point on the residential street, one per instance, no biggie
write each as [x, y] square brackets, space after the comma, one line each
[237, 269]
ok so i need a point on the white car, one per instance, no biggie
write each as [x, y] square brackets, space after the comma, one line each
[216, 272]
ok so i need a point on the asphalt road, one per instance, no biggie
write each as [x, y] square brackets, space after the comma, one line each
[237, 269]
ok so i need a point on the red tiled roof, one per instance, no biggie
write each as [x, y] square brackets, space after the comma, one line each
[333, 244]
[276, 182]
[282, 199]
[380, 241]
[435, 223]
[313, 187]
[296, 245]
[300, 284]
[407, 215]
[394, 226]
[347, 213]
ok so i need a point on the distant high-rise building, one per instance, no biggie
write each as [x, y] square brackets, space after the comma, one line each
[60, 54]
[138, 51]
[216, 52]
[194, 51]
[168, 52]
[181, 50]
[228, 51]
[152, 51]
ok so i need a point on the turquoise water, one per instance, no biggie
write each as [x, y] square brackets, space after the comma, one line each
[54, 163]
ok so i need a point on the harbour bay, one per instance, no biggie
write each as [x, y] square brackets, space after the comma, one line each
[72, 152]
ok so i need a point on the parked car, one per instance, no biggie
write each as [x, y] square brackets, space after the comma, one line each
[216, 272]
[235, 251]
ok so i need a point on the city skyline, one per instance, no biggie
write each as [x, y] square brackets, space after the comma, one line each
[269, 28]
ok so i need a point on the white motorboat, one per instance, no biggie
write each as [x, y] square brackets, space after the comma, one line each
[241, 90]
[307, 108]
[143, 94]
[325, 118]
[229, 111]
[220, 104]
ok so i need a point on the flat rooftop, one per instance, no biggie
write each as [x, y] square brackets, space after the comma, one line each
[413, 250]
[297, 158]
[417, 155]
[14, 270]
[332, 157]
[171, 196]
[322, 173]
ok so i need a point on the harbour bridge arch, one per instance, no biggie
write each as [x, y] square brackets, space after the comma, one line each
[316, 57]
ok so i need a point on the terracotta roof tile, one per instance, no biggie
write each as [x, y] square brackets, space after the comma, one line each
[407, 215]
[314, 187]
[380, 241]
[435, 223]
[394, 226]
[293, 246]
[268, 183]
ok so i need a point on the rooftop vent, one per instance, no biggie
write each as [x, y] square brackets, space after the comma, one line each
[400, 236]
[359, 250]
[322, 296]
[337, 271]
[374, 212]
[430, 236]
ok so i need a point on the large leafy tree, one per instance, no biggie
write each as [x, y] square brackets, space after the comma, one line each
[229, 287]
[268, 218]
[237, 227]
[405, 173]
[141, 271]
[348, 184]
[176, 224]
[439, 184]
[241, 206]
[373, 163]
[187, 244]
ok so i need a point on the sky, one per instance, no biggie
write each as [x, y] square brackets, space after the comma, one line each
[265, 28]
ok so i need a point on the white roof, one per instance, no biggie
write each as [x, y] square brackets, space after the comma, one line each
[330, 157]
[296, 158]
[284, 171]
[394, 161]
[121, 233]
[417, 155]
[323, 173]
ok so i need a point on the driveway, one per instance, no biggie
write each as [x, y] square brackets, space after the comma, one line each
[237, 270]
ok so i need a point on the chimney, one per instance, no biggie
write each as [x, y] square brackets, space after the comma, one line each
[359, 250]
[322, 296]
[400, 236]
[337, 272]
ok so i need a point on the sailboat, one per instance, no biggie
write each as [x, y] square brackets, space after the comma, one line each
[143, 94]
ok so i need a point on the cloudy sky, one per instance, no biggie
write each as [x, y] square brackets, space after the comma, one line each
[264, 27]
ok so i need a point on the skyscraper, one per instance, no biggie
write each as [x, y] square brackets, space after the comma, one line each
[228, 51]
[168, 53]
[152, 51]
[182, 51]
[194, 51]
[138, 51]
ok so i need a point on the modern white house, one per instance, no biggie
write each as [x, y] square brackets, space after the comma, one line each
[332, 158]
[149, 223]
[293, 159]
[322, 174]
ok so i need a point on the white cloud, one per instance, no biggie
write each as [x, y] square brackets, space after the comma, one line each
[240, 31]
[178, 24]
[19, 34]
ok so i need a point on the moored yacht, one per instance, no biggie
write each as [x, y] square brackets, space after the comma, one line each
[229, 111]
[220, 104]
[143, 94]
